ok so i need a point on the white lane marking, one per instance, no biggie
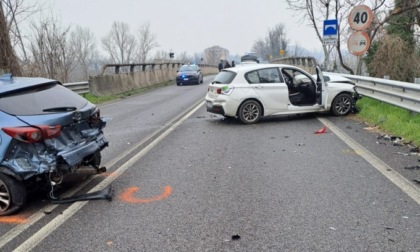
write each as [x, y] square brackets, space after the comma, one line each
[39, 236]
[405, 185]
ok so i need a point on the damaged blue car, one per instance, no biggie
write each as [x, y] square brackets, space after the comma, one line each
[46, 132]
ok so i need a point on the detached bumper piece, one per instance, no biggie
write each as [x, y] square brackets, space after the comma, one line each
[106, 193]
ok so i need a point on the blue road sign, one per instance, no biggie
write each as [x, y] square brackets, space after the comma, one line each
[331, 28]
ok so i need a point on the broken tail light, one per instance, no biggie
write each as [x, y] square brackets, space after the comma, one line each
[95, 118]
[226, 90]
[33, 134]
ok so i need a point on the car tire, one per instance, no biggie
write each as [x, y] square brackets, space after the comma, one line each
[177, 84]
[250, 112]
[12, 195]
[342, 105]
[202, 80]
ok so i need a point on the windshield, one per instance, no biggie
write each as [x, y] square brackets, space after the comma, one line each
[188, 68]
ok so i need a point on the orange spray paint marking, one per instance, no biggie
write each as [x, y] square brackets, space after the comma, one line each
[128, 196]
[13, 219]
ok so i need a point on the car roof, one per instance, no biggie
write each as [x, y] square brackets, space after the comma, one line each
[249, 67]
[9, 83]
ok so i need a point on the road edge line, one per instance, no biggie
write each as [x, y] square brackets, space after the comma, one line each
[401, 182]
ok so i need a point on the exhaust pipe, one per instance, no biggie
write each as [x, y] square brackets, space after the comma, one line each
[88, 170]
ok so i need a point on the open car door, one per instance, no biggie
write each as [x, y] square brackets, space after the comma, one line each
[321, 88]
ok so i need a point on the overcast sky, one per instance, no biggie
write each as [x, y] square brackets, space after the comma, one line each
[189, 25]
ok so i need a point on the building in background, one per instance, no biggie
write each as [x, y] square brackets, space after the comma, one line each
[214, 54]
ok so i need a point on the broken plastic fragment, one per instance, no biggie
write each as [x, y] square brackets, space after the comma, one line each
[106, 193]
[321, 131]
[235, 237]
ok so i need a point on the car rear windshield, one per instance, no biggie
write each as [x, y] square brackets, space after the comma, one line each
[188, 68]
[225, 77]
[48, 98]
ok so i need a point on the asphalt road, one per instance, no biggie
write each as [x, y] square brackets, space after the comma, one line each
[209, 184]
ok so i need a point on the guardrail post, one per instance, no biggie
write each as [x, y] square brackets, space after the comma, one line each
[117, 69]
[417, 80]
[386, 77]
[132, 68]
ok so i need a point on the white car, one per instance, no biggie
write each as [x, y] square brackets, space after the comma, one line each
[252, 91]
[335, 77]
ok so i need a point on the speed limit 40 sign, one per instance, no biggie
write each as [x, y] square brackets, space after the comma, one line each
[360, 17]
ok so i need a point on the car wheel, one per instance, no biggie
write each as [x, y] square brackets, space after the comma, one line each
[250, 112]
[12, 195]
[342, 105]
[202, 79]
[177, 84]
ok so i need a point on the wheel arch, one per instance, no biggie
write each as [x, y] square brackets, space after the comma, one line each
[11, 173]
[251, 99]
[335, 97]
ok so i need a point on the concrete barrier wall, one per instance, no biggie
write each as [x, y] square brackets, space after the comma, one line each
[123, 82]
[306, 63]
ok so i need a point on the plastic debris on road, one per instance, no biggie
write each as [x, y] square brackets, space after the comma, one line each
[321, 131]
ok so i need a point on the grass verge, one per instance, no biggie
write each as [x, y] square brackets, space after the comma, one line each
[391, 119]
[102, 99]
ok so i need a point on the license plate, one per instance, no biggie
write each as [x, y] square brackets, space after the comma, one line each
[209, 104]
[185, 78]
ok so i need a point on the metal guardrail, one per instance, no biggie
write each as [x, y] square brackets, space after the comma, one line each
[401, 94]
[78, 87]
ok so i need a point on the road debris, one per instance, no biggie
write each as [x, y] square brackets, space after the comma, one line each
[106, 193]
[321, 131]
[235, 237]
[416, 167]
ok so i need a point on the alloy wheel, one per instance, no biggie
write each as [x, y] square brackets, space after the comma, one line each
[342, 105]
[4, 197]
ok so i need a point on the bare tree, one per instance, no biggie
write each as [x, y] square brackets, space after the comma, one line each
[275, 41]
[52, 55]
[119, 43]
[161, 56]
[261, 49]
[199, 58]
[83, 44]
[184, 58]
[297, 51]
[8, 59]
[147, 41]
[315, 11]
[17, 11]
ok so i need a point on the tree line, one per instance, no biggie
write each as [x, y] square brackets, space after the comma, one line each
[394, 35]
[68, 54]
